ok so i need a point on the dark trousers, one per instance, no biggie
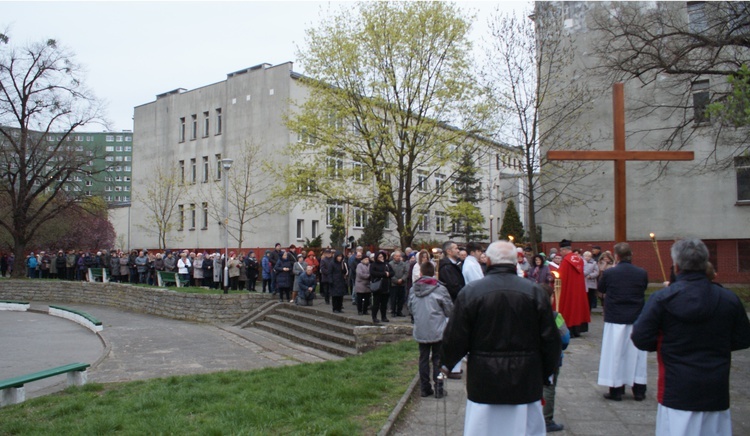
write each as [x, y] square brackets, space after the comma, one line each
[338, 303]
[234, 283]
[397, 299]
[363, 302]
[549, 398]
[285, 294]
[427, 353]
[592, 298]
[324, 291]
[267, 284]
[379, 303]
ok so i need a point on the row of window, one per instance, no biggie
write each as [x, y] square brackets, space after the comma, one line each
[360, 217]
[192, 216]
[205, 169]
[126, 148]
[206, 130]
[118, 158]
[117, 198]
[88, 138]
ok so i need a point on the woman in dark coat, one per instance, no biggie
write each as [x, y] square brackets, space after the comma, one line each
[284, 276]
[380, 270]
[339, 279]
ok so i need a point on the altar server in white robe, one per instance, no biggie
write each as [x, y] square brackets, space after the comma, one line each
[621, 363]
[504, 324]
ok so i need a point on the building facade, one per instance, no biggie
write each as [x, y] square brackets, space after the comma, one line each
[707, 198]
[188, 134]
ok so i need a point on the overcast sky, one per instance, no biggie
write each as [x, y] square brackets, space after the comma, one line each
[133, 51]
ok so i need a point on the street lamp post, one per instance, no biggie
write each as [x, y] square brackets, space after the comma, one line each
[226, 164]
[492, 218]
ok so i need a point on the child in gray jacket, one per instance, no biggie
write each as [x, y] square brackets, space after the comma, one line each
[431, 305]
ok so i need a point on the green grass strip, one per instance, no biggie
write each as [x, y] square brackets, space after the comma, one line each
[348, 397]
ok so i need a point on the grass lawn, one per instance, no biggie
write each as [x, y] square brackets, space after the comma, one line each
[348, 397]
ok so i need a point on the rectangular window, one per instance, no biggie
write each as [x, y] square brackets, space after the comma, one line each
[218, 167]
[107, 178]
[128, 139]
[108, 188]
[742, 167]
[118, 148]
[182, 129]
[700, 101]
[194, 127]
[421, 181]
[439, 182]
[424, 221]
[107, 148]
[360, 218]
[193, 171]
[118, 179]
[358, 171]
[306, 138]
[205, 169]
[89, 183]
[333, 210]
[218, 121]
[126, 188]
[181, 217]
[204, 207]
[335, 167]
[192, 217]
[440, 222]
[127, 158]
[315, 228]
[126, 178]
[300, 230]
[182, 172]
[128, 148]
[108, 198]
[118, 138]
[698, 21]
[109, 158]
[127, 168]
[110, 138]
[118, 188]
[118, 158]
[205, 124]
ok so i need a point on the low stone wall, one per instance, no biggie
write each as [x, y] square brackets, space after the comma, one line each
[209, 308]
[369, 337]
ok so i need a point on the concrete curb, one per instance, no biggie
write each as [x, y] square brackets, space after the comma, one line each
[400, 406]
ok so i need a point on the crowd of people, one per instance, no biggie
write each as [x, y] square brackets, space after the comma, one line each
[506, 311]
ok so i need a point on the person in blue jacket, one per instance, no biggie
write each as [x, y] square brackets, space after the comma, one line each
[693, 325]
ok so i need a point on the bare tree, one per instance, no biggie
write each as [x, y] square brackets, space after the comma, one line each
[688, 52]
[531, 80]
[43, 99]
[249, 185]
[389, 80]
[162, 191]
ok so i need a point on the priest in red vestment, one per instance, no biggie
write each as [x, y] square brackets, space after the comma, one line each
[573, 297]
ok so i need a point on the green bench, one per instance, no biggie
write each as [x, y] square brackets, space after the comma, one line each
[164, 277]
[98, 273]
[78, 316]
[12, 390]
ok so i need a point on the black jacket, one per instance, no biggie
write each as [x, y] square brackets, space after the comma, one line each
[377, 272]
[694, 325]
[451, 276]
[505, 324]
[624, 288]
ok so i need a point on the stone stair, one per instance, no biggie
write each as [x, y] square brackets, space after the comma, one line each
[309, 326]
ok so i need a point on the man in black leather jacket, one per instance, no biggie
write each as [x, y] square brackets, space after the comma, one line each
[505, 325]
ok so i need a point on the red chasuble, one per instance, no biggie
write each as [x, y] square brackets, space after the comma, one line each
[574, 303]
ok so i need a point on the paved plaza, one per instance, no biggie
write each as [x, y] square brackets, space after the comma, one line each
[137, 346]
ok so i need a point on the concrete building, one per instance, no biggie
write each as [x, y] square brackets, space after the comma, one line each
[192, 131]
[682, 199]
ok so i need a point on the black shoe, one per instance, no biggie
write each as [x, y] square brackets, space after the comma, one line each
[612, 397]
[375, 321]
[427, 393]
[552, 426]
[639, 392]
[639, 397]
[400, 315]
[385, 320]
[615, 394]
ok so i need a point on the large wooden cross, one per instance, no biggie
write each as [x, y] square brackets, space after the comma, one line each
[620, 156]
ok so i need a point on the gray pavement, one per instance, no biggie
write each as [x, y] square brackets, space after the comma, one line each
[137, 346]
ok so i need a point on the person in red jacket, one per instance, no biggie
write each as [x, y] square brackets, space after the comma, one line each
[574, 302]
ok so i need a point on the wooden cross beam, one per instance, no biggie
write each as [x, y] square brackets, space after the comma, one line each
[620, 156]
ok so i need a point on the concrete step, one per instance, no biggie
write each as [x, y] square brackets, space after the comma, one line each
[301, 337]
[282, 346]
[313, 329]
[322, 321]
[324, 311]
